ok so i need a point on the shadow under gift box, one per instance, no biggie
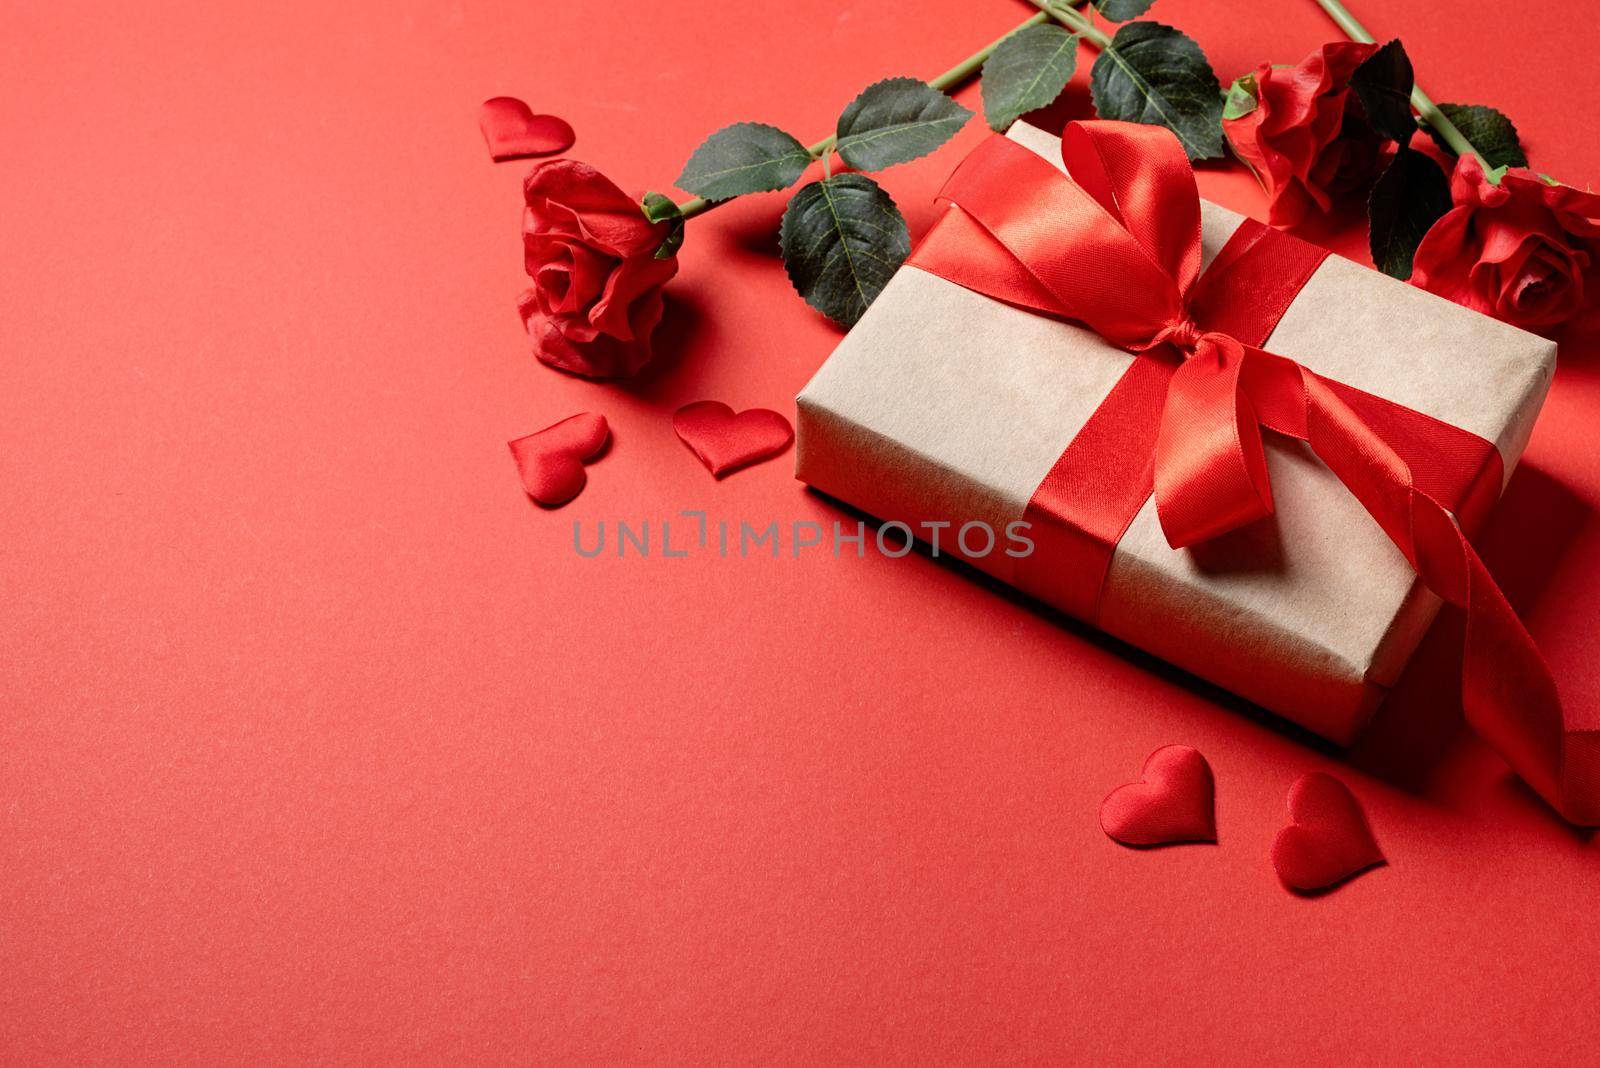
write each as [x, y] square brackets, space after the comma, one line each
[942, 405]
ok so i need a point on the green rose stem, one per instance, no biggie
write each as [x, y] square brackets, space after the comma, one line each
[954, 76]
[1075, 22]
[1425, 107]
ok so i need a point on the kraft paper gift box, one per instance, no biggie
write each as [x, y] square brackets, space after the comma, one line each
[943, 405]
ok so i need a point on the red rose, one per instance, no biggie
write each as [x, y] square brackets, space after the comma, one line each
[596, 293]
[1307, 138]
[1521, 251]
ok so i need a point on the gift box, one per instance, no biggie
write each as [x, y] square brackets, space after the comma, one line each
[944, 407]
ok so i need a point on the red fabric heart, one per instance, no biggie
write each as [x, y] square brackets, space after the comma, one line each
[1174, 801]
[513, 131]
[1329, 840]
[551, 460]
[724, 441]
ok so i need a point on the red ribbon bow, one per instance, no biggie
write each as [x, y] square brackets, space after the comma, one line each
[1117, 249]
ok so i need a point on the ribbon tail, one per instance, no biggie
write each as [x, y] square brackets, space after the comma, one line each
[1508, 693]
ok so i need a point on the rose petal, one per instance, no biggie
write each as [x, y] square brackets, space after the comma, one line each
[612, 312]
[574, 197]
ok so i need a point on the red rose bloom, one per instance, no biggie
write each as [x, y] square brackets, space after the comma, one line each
[1521, 251]
[596, 293]
[1306, 138]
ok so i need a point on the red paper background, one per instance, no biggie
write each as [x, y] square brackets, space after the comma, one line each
[320, 743]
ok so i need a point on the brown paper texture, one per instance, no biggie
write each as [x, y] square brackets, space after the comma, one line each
[944, 405]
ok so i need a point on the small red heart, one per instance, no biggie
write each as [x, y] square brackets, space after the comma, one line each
[1329, 840]
[1174, 801]
[724, 441]
[513, 131]
[551, 460]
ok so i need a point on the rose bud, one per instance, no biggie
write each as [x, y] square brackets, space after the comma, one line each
[596, 293]
[1521, 251]
[1302, 131]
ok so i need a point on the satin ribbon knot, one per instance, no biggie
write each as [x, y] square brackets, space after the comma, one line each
[1116, 248]
[1183, 334]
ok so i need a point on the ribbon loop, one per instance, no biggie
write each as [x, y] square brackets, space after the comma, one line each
[1110, 283]
[1149, 192]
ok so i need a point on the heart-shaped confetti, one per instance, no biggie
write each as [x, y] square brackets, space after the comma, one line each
[513, 131]
[1328, 840]
[551, 460]
[1173, 801]
[724, 441]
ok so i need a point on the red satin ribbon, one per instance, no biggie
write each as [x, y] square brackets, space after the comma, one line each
[1117, 249]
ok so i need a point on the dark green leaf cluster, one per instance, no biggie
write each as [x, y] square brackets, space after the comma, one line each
[842, 236]
[1146, 73]
[1413, 192]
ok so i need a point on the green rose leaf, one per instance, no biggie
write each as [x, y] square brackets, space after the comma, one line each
[747, 157]
[658, 207]
[1027, 71]
[894, 121]
[1383, 83]
[1490, 132]
[1410, 196]
[1156, 75]
[842, 239]
[1122, 10]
